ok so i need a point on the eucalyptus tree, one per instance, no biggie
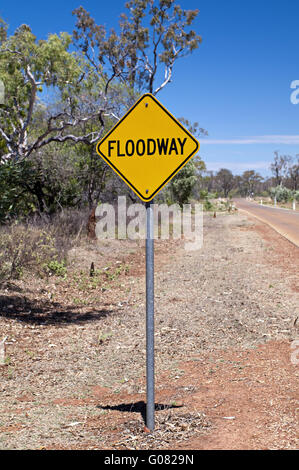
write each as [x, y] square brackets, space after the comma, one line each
[293, 175]
[90, 88]
[185, 181]
[51, 97]
[152, 36]
[225, 181]
[279, 167]
[249, 183]
[27, 67]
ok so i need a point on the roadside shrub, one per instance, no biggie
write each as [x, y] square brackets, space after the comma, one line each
[56, 268]
[282, 194]
[183, 183]
[66, 227]
[24, 249]
[41, 245]
[208, 206]
[203, 194]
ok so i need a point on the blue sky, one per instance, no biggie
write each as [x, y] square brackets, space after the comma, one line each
[236, 85]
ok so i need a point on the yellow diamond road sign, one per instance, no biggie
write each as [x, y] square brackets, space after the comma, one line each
[147, 147]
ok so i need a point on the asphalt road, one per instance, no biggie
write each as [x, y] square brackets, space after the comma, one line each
[285, 222]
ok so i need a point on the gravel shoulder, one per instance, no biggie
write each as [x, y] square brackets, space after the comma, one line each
[74, 376]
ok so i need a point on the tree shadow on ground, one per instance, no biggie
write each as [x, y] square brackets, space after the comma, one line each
[41, 312]
[138, 407]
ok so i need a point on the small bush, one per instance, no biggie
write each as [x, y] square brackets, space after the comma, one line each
[282, 194]
[203, 194]
[40, 246]
[24, 249]
[66, 228]
[208, 206]
[56, 268]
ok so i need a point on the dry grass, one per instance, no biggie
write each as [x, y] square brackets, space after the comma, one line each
[75, 357]
[169, 426]
[39, 245]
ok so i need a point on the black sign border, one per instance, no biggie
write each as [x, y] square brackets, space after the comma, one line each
[146, 96]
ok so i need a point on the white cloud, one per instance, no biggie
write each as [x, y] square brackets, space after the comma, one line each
[238, 166]
[262, 139]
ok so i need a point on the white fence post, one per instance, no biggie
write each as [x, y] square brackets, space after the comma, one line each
[2, 351]
[2, 92]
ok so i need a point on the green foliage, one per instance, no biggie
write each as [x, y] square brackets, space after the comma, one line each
[55, 181]
[83, 94]
[213, 195]
[193, 128]
[104, 337]
[29, 66]
[282, 194]
[183, 183]
[15, 199]
[203, 194]
[279, 167]
[3, 30]
[152, 34]
[56, 268]
[208, 206]
[24, 58]
[249, 182]
[49, 180]
[101, 277]
[225, 181]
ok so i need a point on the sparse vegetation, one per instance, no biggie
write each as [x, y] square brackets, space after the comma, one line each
[39, 246]
[74, 372]
[73, 307]
[56, 268]
[25, 248]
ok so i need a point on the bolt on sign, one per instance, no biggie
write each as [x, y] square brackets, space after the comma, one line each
[147, 147]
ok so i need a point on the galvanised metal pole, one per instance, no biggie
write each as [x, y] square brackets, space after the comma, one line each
[150, 354]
